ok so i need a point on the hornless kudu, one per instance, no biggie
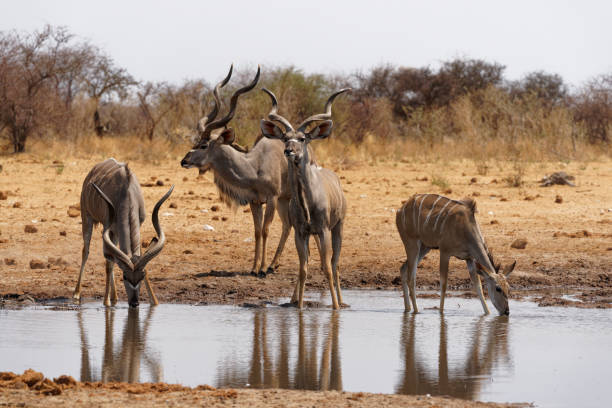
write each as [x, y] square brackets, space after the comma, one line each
[317, 205]
[256, 177]
[431, 221]
[111, 196]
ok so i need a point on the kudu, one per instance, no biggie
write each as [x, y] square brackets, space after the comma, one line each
[317, 206]
[254, 177]
[111, 195]
[431, 221]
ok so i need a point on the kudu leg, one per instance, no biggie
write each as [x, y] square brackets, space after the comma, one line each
[267, 220]
[282, 207]
[476, 283]
[257, 212]
[326, 254]
[110, 290]
[408, 274]
[87, 227]
[444, 259]
[301, 244]
[152, 298]
[337, 246]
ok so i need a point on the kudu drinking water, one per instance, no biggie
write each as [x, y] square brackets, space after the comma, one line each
[112, 196]
[431, 221]
[317, 205]
[256, 177]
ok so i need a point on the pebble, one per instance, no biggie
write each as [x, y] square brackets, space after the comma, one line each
[208, 227]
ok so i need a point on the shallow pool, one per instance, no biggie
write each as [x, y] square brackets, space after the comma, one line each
[549, 356]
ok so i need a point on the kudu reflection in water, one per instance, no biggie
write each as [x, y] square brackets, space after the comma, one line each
[271, 361]
[121, 363]
[488, 346]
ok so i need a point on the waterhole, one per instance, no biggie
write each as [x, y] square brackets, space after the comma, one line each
[549, 356]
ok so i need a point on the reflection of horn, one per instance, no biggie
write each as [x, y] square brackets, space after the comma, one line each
[121, 365]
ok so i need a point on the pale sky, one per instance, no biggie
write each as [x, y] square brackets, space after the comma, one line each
[177, 40]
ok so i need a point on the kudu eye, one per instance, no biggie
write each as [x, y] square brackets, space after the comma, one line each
[498, 289]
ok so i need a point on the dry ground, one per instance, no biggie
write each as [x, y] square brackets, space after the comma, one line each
[31, 389]
[569, 244]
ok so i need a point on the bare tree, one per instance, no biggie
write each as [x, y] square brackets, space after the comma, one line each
[28, 65]
[102, 78]
[156, 100]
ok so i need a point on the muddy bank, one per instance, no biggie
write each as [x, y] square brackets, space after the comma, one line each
[567, 246]
[34, 390]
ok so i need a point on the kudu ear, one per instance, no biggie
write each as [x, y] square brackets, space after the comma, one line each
[227, 136]
[321, 131]
[509, 268]
[270, 130]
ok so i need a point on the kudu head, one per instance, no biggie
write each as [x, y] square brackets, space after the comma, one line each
[497, 284]
[201, 153]
[296, 141]
[133, 267]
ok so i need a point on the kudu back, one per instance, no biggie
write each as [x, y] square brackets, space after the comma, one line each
[111, 196]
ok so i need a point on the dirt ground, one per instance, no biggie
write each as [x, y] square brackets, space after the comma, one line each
[568, 244]
[31, 389]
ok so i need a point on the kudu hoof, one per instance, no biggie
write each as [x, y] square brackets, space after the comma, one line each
[253, 273]
[270, 270]
[261, 274]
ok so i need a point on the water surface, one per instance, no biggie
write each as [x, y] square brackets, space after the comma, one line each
[549, 356]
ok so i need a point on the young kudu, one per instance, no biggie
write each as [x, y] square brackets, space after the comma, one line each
[111, 196]
[256, 177]
[431, 221]
[317, 205]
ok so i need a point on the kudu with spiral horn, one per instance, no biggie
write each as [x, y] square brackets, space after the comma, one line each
[112, 196]
[318, 205]
[256, 177]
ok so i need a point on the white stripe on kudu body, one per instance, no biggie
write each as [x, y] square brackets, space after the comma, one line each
[430, 211]
[441, 212]
[446, 216]
[420, 207]
[462, 239]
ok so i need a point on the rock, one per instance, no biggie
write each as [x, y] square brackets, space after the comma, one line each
[31, 377]
[173, 205]
[17, 204]
[473, 180]
[558, 199]
[159, 183]
[73, 211]
[56, 261]
[494, 222]
[519, 243]
[65, 380]
[3, 195]
[10, 261]
[224, 218]
[37, 264]
[188, 252]
[559, 177]
[30, 229]
[214, 208]
[208, 227]
[185, 179]
[63, 233]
